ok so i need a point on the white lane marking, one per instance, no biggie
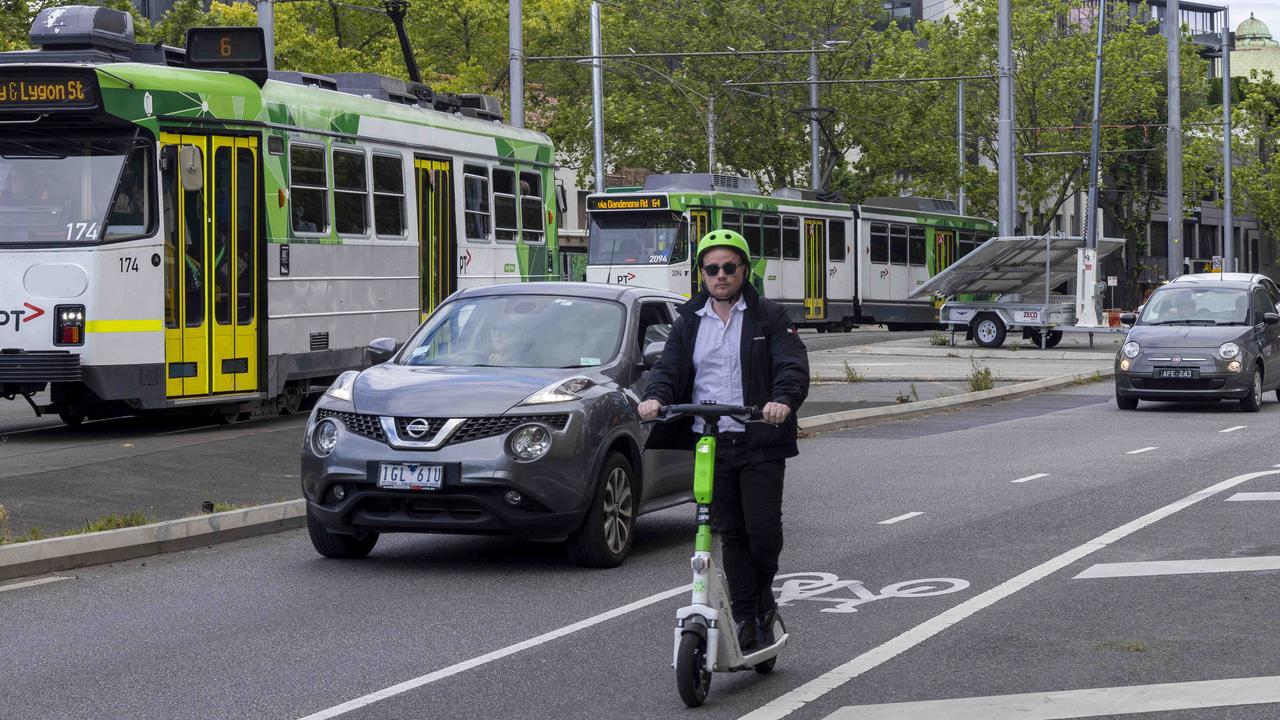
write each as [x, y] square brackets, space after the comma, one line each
[489, 657]
[900, 518]
[794, 700]
[1254, 496]
[33, 583]
[1139, 451]
[1029, 478]
[1181, 567]
[1233, 429]
[1092, 702]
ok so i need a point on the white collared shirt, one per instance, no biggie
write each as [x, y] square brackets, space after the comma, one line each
[717, 362]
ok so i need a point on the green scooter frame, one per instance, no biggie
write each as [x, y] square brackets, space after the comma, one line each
[705, 637]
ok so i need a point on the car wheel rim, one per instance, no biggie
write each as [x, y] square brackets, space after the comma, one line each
[987, 331]
[617, 510]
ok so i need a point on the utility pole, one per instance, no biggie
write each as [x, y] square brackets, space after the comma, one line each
[1228, 229]
[1174, 141]
[711, 134]
[1091, 215]
[515, 43]
[815, 158]
[960, 140]
[267, 21]
[1006, 157]
[597, 97]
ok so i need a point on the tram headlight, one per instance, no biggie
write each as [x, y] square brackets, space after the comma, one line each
[324, 437]
[342, 387]
[68, 325]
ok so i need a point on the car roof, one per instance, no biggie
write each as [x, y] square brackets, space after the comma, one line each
[1249, 278]
[600, 291]
[1227, 283]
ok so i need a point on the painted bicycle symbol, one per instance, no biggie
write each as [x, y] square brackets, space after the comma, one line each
[828, 588]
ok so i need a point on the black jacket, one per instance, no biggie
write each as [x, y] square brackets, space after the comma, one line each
[775, 368]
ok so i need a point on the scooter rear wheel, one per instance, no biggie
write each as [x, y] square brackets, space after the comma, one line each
[692, 678]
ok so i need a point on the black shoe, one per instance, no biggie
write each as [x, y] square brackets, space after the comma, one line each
[764, 629]
[747, 636]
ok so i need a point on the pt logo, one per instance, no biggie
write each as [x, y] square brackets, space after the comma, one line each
[626, 279]
[17, 316]
[464, 262]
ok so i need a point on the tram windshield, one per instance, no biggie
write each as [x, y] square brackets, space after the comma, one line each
[74, 190]
[628, 238]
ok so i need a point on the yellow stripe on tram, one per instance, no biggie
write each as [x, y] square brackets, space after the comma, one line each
[124, 326]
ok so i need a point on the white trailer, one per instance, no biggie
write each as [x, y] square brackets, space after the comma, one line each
[1007, 283]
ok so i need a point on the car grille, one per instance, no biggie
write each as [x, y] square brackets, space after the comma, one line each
[433, 427]
[1171, 384]
[369, 426]
[483, 427]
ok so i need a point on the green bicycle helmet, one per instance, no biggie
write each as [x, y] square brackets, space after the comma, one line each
[726, 239]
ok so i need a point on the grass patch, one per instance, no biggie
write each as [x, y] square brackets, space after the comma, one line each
[1095, 377]
[1014, 347]
[851, 373]
[980, 378]
[1121, 646]
[954, 355]
[939, 339]
[111, 521]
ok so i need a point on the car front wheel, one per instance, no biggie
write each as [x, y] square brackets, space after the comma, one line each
[1253, 401]
[1125, 402]
[336, 545]
[604, 540]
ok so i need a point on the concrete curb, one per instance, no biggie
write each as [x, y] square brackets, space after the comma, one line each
[835, 421]
[962, 353]
[63, 553]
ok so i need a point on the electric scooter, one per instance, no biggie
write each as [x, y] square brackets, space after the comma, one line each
[706, 640]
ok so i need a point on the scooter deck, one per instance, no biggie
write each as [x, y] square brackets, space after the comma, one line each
[759, 656]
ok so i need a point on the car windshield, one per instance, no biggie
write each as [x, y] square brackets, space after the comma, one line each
[628, 238]
[74, 189]
[519, 331]
[1197, 306]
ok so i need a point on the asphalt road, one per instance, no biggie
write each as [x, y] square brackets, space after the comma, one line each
[995, 510]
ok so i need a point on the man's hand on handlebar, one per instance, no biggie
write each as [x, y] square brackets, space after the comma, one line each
[775, 413]
[649, 409]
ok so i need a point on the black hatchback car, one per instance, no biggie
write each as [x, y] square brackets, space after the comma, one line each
[1204, 339]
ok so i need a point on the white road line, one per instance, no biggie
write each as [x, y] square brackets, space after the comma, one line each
[823, 684]
[475, 662]
[1233, 429]
[1029, 478]
[1181, 567]
[1092, 702]
[1254, 497]
[1139, 451]
[33, 583]
[900, 518]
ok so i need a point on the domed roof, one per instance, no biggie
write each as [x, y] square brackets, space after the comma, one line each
[1253, 33]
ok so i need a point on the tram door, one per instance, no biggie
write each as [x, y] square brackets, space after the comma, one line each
[211, 266]
[944, 250]
[437, 242]
[815, 270]
[699, 225]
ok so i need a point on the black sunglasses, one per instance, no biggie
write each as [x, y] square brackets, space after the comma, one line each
[714, 270]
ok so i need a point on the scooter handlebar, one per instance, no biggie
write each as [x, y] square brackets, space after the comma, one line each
[708, 410]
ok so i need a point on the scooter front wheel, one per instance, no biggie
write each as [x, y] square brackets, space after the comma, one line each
[692, 677]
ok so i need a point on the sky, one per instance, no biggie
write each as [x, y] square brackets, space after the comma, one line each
[1268, 11]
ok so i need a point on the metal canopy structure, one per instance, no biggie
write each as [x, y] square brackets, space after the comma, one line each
[1014, 266]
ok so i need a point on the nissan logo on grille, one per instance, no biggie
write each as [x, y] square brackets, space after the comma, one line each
[418, 428]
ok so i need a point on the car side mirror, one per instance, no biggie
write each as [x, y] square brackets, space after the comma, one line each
[1128, 318]
[652, 354]
[379, 350]
[1271, 318]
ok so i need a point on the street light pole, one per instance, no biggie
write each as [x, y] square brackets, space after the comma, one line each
[1005, 159]
[515, 45]
[960, 140]
[267, 21]
[1091, 214]
[1228, 229]
[711, 134]
[1174, 140]
[815, 159]
[597, 97]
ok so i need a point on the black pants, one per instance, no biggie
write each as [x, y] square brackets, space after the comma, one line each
[746, 509]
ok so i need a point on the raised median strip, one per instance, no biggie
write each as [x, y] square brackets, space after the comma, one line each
[837, 420]
[64, 553]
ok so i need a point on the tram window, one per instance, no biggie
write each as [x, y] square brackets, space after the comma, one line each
[388, 195]
[193, 217]
[790, 238]
[246, 178]
[680, 250]
[751, 231]
[222, 235]
[835, 241]
[504, 204]
[916, 253]
[475, 185]
[879, 244]
[307, 189]
[772, 237]
[169, 205]
[350, 193]
[132, 214]
[531, 206]
[966, 244]
[731, 221]
[898, 244]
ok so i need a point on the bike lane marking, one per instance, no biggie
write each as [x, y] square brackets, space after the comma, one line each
[465, 665]
[1029, 478]
[900, 518]
[796, 699]
[1093, 702]
[1180, 567]
[1254, 496]
[33, 583]
[1139, 451]
[1233, 429]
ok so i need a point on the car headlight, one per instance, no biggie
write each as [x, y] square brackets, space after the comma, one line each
[530, 442]
[1131, 350]
[1124, 364]
[1228, 350]
[341, 388]
[324, 437]
[560, 391]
